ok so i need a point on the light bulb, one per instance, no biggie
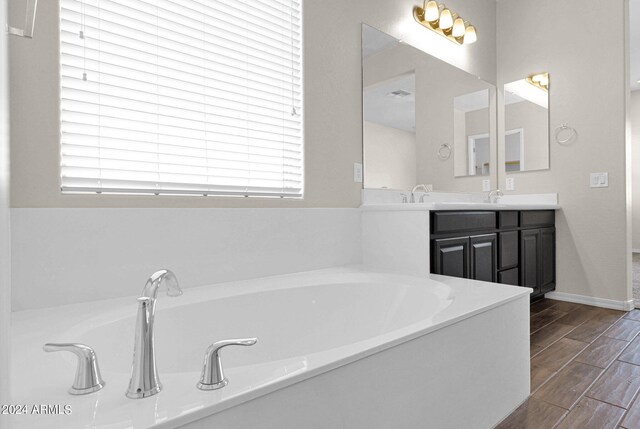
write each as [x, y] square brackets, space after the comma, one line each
[446, 21]
[537, 77]
[470, 35]
[458, 28]
[544, 81]
[431, 12]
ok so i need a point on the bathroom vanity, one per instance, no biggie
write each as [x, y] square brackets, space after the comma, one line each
[514, 247]
[460, 235]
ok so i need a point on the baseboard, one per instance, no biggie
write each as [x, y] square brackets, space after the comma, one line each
[597, 302]
[635, 250]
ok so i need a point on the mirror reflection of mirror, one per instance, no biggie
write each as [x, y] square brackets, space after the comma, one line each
[413, 105]
[526, 110]
[471, 134]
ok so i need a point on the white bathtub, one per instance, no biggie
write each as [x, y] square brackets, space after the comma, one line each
[339, 348]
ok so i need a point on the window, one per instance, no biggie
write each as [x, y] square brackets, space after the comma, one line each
[181, 97]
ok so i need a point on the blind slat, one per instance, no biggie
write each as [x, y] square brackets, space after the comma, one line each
[182, 97]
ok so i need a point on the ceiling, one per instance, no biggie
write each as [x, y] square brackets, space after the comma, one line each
[392, 103]
[634, 17]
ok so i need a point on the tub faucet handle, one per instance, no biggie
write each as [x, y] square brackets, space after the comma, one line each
[212, 376]
[88, 379]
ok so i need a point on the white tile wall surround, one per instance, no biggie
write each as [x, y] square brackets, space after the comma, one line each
[63, 256]
[396, 241]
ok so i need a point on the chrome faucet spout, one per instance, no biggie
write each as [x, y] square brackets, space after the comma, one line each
[415, 188]
[144, 374]
[167, 277]
[494, 196]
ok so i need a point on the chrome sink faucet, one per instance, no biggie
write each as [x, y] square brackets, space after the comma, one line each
[494, 196]
[415, 188]
[144, 375]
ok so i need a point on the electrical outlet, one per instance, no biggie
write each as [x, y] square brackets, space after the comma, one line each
[511, 185]
[486, 185]
[599, 180]
[357, 172]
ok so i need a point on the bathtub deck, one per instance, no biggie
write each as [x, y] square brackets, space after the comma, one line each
[585, 366]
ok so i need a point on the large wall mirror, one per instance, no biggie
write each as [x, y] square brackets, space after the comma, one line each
[424, 120]
[526, 124]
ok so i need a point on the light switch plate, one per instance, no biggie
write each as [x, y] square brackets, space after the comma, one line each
[510, 185]
[486, 185]
[599, 180]
[357, 172]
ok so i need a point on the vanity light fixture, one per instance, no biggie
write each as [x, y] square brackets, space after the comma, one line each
[539, 80]
[446, 21]
[437, 17]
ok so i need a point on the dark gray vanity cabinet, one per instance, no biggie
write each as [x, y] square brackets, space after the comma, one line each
[510, 247]
[529, 259]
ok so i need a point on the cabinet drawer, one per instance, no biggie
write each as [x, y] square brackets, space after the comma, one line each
[509, 277]
[537, 218]
[508, 253]
[507, 219]
[448, 222]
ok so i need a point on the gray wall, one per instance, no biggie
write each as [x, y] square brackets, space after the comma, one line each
[634, 115]
[389, 157]
[588, 86]
[333, 124]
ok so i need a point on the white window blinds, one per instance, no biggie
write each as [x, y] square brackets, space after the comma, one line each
[182, 97]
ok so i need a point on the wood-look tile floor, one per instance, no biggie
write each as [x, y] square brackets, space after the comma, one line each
[585, 369]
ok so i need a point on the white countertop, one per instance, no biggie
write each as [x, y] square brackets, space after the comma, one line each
[390, 200]
[457, 206]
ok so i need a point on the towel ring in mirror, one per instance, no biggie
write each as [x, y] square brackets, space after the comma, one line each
[568, 132]
[444, 152]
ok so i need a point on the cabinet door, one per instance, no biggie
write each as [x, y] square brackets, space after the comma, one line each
[529, 257]
[508, 257]
[547, 260]
[509, 277]
[483, 257]
[451, 257]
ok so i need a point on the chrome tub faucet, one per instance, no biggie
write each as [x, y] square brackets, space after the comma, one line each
[144, 375]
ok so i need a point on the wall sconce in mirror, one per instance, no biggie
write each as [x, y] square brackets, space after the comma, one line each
[539, 80]
[29, 21]
[437, 17]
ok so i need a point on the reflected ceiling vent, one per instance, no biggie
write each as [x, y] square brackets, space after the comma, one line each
[400, 93]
